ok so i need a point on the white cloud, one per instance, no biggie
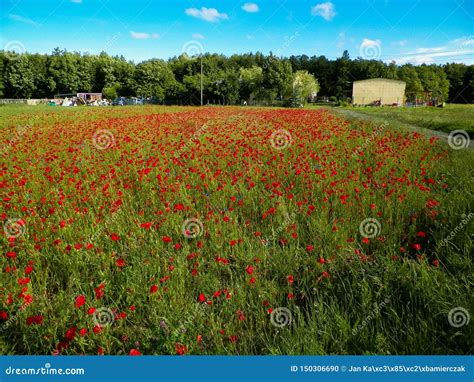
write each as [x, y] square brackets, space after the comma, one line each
[446, 56]
[207, 14]
[464, 41]
[370, 49]
[197, 36]
[143, 36]
[250, 7]
[368, 43]
[23, 20]
[325, 10]
[458, 50]
[429, 50]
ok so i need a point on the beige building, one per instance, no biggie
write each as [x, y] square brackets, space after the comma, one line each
[378, 90]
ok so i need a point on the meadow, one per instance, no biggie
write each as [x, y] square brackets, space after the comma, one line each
[447, 119]
[228, 230]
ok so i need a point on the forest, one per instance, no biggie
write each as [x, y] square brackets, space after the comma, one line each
[252, 77]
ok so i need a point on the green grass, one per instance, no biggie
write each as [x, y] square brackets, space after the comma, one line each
[376, 298]
[452, 117]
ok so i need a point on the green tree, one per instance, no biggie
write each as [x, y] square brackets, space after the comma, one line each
[19, 76]
[277, 78]
[409, 74]
[153, 78]
[304, 85]
[63, 72]
[250, 82]
[434, 81]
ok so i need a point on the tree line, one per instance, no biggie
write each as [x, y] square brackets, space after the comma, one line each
[252, 77]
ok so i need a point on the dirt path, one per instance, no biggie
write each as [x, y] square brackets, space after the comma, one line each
[351, 114]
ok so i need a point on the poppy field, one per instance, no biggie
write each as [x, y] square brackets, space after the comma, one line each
[226, 230]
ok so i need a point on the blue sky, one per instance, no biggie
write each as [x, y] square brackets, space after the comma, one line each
[431, 31]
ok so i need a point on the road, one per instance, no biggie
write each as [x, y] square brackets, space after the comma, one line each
[354, 115]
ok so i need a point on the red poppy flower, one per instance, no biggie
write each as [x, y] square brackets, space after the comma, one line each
[120, 263]
[24, 281]
[71, 333]
[146, 225]
[80, 301]
[181, 349]
[99, 291]
[34, 320]
[134, 352]
[115, 237]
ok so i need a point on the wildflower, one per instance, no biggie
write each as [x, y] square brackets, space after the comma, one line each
[80, 301]
[115, 237]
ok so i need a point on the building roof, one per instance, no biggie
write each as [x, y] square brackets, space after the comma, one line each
[381, 79]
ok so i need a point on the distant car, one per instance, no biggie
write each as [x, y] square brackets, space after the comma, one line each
[135, 101]
[118, 102]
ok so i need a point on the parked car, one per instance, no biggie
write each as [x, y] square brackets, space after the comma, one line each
[118, 101]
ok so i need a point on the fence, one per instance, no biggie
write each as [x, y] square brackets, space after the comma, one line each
[22, 101]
